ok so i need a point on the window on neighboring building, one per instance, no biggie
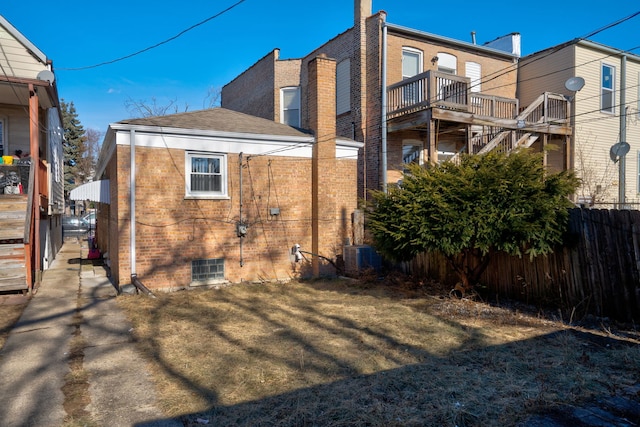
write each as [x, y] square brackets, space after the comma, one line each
[446, 151]
[343, 87]
[206, 175]
[411, 62]
[607, 94]
[207, 270]
[447, 63]
[411, 152]
[411, 66]
[290, 106]
[474, 73]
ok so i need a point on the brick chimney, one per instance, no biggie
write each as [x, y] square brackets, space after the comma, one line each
[362, 10]
[322, 120]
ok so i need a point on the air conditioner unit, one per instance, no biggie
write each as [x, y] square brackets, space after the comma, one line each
[358, 258]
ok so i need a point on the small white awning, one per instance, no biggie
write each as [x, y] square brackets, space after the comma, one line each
[95, 191]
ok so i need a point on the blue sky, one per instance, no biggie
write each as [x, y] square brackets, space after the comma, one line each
[81, 33]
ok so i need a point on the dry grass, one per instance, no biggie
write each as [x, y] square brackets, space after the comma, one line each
[341, 353]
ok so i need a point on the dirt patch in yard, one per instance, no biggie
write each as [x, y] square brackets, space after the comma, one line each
[375, 353]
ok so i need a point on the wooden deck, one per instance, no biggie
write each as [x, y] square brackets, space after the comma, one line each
[490, 122]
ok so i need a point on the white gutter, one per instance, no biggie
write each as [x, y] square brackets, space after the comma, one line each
[384, 106]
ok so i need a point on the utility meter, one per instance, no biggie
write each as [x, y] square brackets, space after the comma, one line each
[241, 229]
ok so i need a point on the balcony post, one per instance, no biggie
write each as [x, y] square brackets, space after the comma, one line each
[432, 149]
[34, 140]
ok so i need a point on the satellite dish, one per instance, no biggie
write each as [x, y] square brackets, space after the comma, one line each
[574, 84]
[618, 150]
[46, 75]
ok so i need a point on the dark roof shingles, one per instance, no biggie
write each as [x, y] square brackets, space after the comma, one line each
[219, 119]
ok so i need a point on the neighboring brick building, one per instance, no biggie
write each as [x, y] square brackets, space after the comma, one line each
[221, 196]
[410, 96]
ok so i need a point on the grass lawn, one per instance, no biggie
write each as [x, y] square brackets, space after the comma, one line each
[344, 353]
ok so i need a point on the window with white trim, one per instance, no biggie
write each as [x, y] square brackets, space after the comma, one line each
[411, 66]
[607, 89]
[447, 63]
[474, 73]
[206, 176]
[411, 62]
[343, 86]
[290, 106]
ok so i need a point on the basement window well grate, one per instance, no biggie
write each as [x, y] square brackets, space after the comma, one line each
[207, 270]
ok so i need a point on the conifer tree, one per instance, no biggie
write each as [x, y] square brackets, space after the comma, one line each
[74, 146]
[468, 211]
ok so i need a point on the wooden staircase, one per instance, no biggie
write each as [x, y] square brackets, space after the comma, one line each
[547, 108]
[13, 218]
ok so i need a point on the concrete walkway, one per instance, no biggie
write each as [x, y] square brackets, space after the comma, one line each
[35, 358]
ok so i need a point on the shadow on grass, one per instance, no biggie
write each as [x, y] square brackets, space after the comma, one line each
[464, 389]
[372, 375]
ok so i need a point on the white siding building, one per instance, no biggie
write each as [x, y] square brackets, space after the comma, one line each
[605, 112]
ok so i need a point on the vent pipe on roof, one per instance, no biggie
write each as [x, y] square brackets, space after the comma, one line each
[473, 37]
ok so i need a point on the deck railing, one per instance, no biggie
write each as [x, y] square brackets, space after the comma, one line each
[443, 90]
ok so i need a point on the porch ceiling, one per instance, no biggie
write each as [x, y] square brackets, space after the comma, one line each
[17, 93]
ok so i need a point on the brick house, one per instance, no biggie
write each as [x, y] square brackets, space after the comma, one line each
[222, 196]
[605, 111]
[409, 96]
[31, 185]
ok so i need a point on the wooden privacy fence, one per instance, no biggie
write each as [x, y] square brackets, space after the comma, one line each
[596, 271]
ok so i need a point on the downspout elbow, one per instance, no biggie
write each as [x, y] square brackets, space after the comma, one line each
[138, 284]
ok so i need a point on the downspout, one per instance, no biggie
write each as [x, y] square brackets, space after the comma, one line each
[240, 228]
[623, 131]
[132, 209]
[132, 202]
[384, 106]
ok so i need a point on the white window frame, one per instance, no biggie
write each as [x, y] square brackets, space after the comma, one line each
[612, 90]
[410, 93]
[283, 108]
[473, 71]
[193, 194]
[343, 87]
[447, 63]
[412, 51]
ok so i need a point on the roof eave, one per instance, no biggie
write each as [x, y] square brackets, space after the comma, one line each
[442, 39]
[37, 53]
[209, 133]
